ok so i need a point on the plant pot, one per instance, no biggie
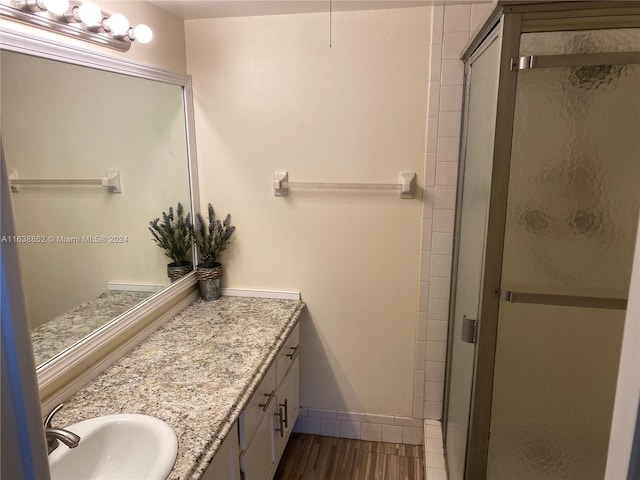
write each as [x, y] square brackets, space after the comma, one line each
[176, 270]
[209, 281]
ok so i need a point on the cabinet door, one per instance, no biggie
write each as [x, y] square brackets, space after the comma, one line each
[257, 461]
[288, 405]
[257, 408]
[225, 464]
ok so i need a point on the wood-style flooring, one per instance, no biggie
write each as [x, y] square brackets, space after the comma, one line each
[312, 457]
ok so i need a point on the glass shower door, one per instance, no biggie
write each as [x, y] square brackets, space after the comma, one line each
[572, 213]
[482, 88]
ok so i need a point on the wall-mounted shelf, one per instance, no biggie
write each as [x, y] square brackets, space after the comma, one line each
[406, 186]
[111, 181]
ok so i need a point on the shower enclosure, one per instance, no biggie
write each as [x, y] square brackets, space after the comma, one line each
[546, 218]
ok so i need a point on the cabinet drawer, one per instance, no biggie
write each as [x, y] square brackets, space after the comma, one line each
[288, 353]
[260, 404]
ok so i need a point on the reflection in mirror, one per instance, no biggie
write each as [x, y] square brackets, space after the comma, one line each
[86, 253]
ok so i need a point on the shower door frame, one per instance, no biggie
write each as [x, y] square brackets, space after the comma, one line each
[516, 20]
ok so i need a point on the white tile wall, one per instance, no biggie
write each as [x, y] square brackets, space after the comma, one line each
[448, 149]
[451, 29]
[446, 173]
[430, 170]
[435, 372]
[452, 72]
[382, 419]
[436, 60]
[439, 286]
[308, 425]
[479, 13]
[330, 427]
[443, 220]
[320, 413]
[453, 43]
[422, 327]
[350, 430]
[445, 196]
[436, 351]
[350, 416]
[449, 124]
[433, 451]
[457, 18]
[437, 330]
[392, 434]
[438, 309]
[371, 432]
[434, 392]
[451, 98]
[434, 96]
[412, 435]
[440, 266]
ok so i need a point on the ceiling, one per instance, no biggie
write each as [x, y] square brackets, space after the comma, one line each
[192, 9]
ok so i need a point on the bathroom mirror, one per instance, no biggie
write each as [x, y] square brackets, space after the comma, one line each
[85, 251]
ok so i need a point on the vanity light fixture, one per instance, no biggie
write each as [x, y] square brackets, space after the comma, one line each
[117, 24]
[57, 7]
[89, 14]
[142, 33]
[81, 20]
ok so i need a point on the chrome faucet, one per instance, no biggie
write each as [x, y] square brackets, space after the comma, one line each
[56, 435]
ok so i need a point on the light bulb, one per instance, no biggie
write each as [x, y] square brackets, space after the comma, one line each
[90, 14]
[57, 7]
[118, 24]
[142, 33]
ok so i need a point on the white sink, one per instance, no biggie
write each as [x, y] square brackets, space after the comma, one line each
[126, 446]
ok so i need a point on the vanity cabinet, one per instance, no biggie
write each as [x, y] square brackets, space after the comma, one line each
[225, 464]
[265, 424]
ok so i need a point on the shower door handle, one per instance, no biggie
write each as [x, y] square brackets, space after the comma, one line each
[563, 300]
[469, 329]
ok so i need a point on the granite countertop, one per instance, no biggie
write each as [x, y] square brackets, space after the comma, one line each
[60, 333]
[196, 372]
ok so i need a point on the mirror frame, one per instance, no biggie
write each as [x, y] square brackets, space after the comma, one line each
[68, 371]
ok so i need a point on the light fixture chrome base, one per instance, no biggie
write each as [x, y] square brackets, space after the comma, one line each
[74, 30]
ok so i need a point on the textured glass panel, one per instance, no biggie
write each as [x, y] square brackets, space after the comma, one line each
[572, 215]
[574, 182]
[477, 180]
[555, 379]
[580, 41]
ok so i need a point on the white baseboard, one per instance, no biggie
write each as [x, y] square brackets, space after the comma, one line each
[361, 426]
[249, 292]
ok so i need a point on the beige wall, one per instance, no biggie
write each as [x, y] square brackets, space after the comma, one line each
[165, 51]
[271, 95]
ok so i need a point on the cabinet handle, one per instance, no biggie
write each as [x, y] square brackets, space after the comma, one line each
[294, 352]
[281, 429]
[266, 405]
[286, 413]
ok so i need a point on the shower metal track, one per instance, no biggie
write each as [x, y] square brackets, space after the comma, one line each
[575, 60]
[563, 300]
